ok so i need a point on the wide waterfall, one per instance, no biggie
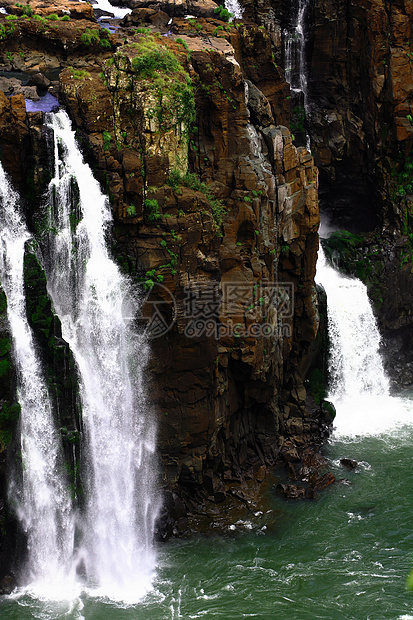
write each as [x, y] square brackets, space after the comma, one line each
[359, 386]
[43, 503]
[88, 292]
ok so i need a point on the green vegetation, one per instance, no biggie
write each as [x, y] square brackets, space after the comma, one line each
[107, 139]
[183, 43]
[89, 37]
[79, 74]
[360, 256]
[26, 9]
[192, 181]
[170, 84]
[317, 386]
[7, 31]
[223, 14]
[40, 19]
[152, 208]
[9, 414]
[131, 211]
[142, 30]
[403, 177]
[297, 124]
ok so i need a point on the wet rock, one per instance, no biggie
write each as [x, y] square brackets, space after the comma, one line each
[76, 10]
[291, 491]
[146, 15]
[39, 80]
[29, 92]
[349, 463]
[7, 585]
[101, 13]
[9, 86]
[319, 483]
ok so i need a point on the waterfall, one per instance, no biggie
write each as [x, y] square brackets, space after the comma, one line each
[294, 44]
[359, 387]
[88, 292]
[41, 497]
[295, 69]
[234, 7]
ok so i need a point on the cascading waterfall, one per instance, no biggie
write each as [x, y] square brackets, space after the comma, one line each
[359, 387]
[234, 7]
[294, 61]
[43, 503]
[294, 44]
[88, 293]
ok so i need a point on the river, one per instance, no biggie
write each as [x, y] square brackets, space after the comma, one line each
[345, 556]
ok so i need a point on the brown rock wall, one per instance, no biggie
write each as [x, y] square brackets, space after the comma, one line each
[230, 395]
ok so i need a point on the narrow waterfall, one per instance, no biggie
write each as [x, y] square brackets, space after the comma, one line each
[43, 503]
[234, 7]
[359, 387]
[88, 293]
[294, 44]
[295, 72]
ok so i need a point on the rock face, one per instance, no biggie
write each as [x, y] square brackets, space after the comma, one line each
[215, 219]
[360, 78]
[216, 380]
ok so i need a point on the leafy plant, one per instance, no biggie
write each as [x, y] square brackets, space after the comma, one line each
[183, 43]
[107, 139]
[223, 14]
[90, 36]
[27, 10]
[131, 211]
[79, 74]
[151, 205]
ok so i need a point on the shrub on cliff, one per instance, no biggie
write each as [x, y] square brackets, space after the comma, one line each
[170, 84]
[222, 13]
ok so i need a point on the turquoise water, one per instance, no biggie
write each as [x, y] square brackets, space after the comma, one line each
[345, 556]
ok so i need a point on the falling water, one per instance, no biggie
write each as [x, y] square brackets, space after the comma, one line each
[43, 504]
[294, 44]
[234, 7]
[294, 61]
[88, 292]
[359, 386]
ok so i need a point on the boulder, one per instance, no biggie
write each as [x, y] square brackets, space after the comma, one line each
[291, 491]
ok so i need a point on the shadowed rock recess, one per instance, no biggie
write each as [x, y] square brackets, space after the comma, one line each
[215, 221]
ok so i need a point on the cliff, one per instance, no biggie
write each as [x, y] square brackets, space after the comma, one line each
[215, 221]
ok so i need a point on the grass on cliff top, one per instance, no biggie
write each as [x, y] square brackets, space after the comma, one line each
[155, 59]
[171, 85]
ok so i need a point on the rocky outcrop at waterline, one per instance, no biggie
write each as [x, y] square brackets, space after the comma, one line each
[226, 252]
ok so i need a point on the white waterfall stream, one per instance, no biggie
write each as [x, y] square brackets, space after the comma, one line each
[294, 42]
[43, 503]
[359, 387]
[294, 59]
[234, 7]
[88, 293]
